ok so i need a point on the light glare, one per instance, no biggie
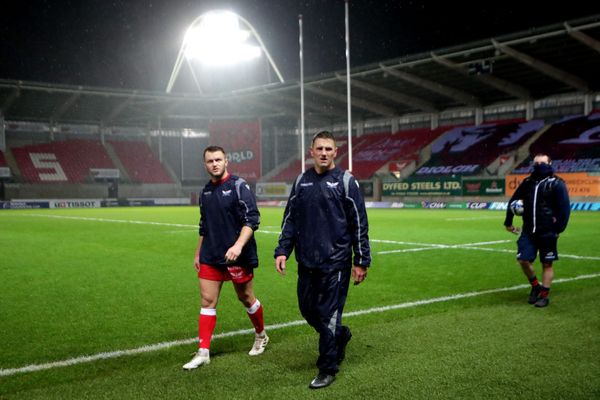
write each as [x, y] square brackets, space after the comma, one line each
[218, 40]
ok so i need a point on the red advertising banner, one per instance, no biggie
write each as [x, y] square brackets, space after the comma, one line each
[578, 183]
[241, 141]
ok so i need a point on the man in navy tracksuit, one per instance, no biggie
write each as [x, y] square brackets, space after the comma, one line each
[226, 251]
[325, 221]
[546, 214]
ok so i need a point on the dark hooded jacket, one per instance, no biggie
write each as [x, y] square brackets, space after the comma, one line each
[545, 200]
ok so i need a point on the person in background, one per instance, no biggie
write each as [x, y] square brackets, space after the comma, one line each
[545, 215]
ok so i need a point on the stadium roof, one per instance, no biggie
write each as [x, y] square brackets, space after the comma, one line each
[519, 67]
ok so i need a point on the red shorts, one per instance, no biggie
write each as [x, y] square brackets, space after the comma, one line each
[234, 273]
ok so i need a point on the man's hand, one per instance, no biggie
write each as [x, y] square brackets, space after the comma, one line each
[197, 260]
[233, 253]
[359, 274]
[513, 229]
[280, 264]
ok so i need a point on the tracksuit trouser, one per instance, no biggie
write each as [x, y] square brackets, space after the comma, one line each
[321, 299]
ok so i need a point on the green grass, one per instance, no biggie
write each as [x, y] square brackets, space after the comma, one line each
[82, 285]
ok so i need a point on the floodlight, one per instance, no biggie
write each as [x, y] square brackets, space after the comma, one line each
[218, 40]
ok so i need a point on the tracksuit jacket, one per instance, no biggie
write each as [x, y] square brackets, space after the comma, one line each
[325, 221]
[226, 207]
[546, 204]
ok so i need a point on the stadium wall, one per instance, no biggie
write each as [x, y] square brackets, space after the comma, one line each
[83, 191]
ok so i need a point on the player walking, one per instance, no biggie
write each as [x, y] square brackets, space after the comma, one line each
[226, 251]
[325, 221]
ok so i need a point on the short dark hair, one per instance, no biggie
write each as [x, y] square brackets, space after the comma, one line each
[323, 135]
[213, 149]
[542, 154]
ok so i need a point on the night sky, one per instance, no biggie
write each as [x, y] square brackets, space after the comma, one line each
[134, 44]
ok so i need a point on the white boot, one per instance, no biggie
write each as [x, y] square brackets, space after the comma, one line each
[260, 342]
[201, 357]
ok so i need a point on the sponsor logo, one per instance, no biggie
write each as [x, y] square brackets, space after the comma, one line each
[75, 204]
[449, 169]
[332, 185]
[305, 184]
[240, 156]
[433, 204]
[473, 187]
[236, 272]
[23, 205]
[494, 189]
[499, 206]
[477, 206]
[226, 192]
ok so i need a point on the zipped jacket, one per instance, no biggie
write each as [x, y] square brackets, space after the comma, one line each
[325, 221]
[226, 207]
[546, 205]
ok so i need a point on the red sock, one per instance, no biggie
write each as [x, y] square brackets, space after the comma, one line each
[206, 326]
[255, 312]
[533, 280]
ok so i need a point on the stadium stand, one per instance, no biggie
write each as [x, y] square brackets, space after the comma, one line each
[291, 171]
[371, 152]
[375, 150]
[3, 162]
[342, 157]
[573, 142]
[467, 150]
[139, 161]
[62, 161]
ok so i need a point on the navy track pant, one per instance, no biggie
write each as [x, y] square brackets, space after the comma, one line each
[321, 298]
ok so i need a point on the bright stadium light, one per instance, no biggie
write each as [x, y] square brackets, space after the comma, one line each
[219, 38]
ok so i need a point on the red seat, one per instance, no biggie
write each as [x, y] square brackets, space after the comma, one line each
[139, 161]
[64, 161]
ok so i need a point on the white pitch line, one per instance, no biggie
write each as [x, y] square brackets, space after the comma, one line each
[430, 246]
[576, 257]
[461, 296]
[414, 249]
[166, 345]
[129, 221]
[471, 218]
[467, 247]
[120, 221]
[433, 245]
[470, 246]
